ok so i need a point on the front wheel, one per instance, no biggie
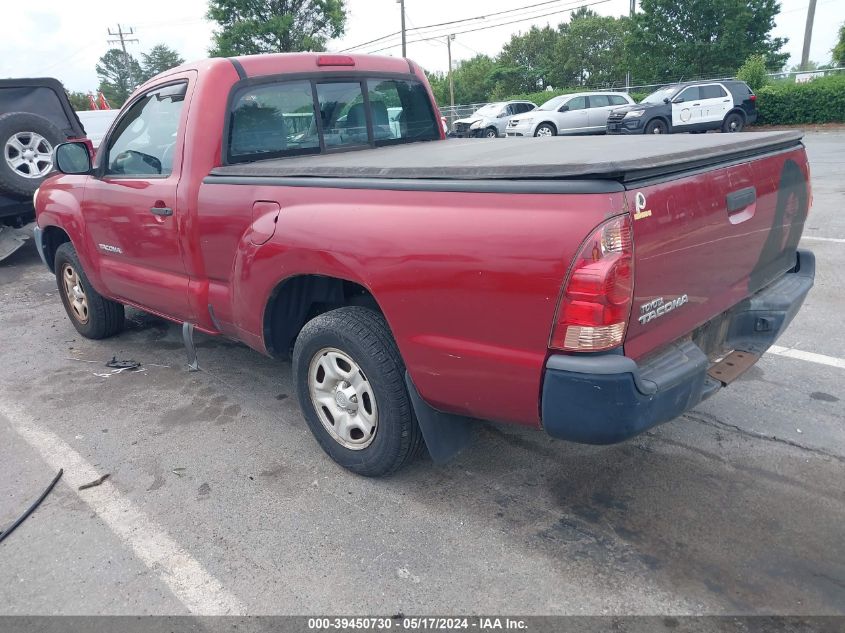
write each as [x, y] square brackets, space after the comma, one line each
[656, 126]
[350, 381]
[491, 132]
[733, 123]
[545, 129]
[92, 315]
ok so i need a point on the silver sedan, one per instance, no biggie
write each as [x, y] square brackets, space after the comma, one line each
[578, 113]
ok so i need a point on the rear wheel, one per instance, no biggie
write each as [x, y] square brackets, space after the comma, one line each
[545, 129]
[92, 315]
[733, 123]
[350, 381]
[656, 126]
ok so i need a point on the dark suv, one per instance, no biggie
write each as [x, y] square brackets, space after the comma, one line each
[688, 107]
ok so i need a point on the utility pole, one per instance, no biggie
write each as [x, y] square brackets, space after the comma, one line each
[404, 44]
[808, 34]
[449, 39]
[631, 10]
[121, 35]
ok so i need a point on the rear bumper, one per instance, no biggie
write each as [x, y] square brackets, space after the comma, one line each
[607, 398]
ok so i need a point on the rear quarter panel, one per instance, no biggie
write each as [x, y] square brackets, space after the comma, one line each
[468, 282]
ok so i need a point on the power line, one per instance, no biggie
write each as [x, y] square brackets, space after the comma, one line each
[431, 26]
[121, 35]
[494, 26]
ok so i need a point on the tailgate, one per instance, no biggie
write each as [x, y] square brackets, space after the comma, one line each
[705, 241]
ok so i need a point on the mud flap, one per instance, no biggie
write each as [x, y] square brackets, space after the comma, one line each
[13, 239]
[445, 434]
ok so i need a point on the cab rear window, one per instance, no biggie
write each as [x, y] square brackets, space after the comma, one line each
[289, 118]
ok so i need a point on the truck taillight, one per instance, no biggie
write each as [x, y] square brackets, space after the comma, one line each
[596, 301]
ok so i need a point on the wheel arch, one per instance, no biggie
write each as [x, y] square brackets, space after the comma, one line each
[297, 299]
[51, 238]
[736, 110]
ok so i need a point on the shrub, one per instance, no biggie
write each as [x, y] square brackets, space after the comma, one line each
[821, 100]
[754, 72]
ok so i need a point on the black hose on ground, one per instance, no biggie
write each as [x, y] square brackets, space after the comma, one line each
[31, 508]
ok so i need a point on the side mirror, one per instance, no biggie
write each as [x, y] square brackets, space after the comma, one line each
[667, 100]
[502, 114]
[73, 158]
[563, 108]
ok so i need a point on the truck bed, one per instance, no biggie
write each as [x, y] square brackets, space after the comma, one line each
[623, 159]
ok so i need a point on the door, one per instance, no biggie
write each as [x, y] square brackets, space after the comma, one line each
[715, 103]
[131, 208]
[573, 117]
[599, 110]
[686, 108]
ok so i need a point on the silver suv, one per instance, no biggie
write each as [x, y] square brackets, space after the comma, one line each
[489, 121]
[578, 113]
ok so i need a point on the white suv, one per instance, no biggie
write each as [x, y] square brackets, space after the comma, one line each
[578, 113]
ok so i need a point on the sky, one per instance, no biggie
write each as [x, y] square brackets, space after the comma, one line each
[64, 39]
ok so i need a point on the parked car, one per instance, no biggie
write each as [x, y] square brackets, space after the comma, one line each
[689, 107]
[579, 113]
[35, 116]
[420, 284]
[97, 123]
[490, 121]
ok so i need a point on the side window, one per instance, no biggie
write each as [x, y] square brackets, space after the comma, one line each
[525, 107]
[712, 92]
[272, 120]
[578, 103]
[342, 114]
[689, 94]
[145, 137]
[599, 101]
[400, 110]
[618, 100]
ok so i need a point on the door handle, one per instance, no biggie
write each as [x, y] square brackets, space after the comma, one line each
[696, 104]
[161, 211]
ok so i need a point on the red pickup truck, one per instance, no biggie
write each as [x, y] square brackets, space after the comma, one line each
[309, 205]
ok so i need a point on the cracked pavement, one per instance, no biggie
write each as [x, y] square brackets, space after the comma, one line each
[736, 508]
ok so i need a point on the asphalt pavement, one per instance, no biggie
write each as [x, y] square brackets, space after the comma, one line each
[220, 501]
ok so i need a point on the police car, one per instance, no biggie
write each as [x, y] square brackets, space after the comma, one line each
[688, 107]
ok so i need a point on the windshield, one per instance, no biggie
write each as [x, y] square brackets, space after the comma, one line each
[490, 110]
[554, 104]
[659, 95]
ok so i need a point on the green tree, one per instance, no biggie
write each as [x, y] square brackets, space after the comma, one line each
[119, 75]
[839, 50]
[525, 62]
[249, 27]
[160, 58]
[754, 72]
[671, 39]
[590, 51]
[79, 101]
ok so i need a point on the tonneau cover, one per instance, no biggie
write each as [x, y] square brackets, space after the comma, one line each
[606, 157]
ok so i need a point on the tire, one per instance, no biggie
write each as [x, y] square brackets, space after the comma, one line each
[545, 129]
[656, 126]
[92, 315]
[734, 122]
[27, 143]
[361, 339]
[491, 132]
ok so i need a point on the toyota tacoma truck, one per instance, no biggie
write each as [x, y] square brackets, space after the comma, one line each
[589, 287]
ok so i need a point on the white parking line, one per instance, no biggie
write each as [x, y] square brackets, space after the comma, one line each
[812, 357]
[823, 239]
[190, 582]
